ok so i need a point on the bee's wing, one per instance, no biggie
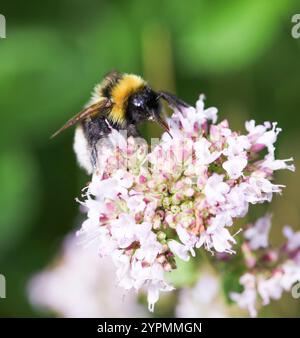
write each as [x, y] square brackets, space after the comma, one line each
[173, 101]
[103, 104]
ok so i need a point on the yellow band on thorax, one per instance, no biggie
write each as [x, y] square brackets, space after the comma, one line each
[126, 86]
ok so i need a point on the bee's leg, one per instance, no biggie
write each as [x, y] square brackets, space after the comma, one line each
[132, 131]
[173, 101]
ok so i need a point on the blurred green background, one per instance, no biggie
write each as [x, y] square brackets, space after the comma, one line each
[239, 53]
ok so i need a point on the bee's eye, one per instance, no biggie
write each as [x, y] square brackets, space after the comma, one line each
[138, 101]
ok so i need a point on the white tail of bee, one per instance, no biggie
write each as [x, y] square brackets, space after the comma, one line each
[82, 150]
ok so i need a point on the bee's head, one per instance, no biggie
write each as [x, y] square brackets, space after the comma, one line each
[144, 105]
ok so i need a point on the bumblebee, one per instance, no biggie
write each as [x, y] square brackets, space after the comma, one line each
[121, 101]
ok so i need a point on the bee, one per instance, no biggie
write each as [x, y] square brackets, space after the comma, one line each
[121, 101]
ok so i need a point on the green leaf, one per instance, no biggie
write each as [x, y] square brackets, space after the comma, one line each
[186, 274]
[230, 34]
[18, 198]
[231, 283]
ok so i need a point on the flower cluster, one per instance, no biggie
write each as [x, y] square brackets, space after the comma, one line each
[270, 271]
[78, 284]
[146, 208]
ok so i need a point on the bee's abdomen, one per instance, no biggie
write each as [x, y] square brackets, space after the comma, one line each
[96, 129]
[87, 137]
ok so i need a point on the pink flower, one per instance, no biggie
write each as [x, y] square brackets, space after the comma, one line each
[293, 238]
[147, 210]
[216, 189]
[267, 282]
[258, 234]
[235, 166]
[247, 299]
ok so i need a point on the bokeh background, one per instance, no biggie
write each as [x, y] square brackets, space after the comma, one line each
[239, 53]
